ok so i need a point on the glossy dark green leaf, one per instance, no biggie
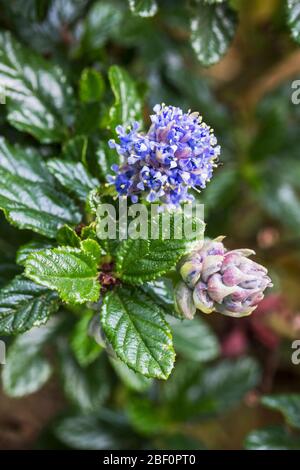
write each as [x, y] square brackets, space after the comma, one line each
[144, 8]
[44, 25]
[10, 238]
[162, 292]
[128, 106]
[91, 86]
[23, 162]
[39, 97]
[191, 88]
[70, 271]
[293, 12]
[272, 438]
[140, 260]
[26, 370]
[100, 24]
[137, 331]
[89, 231]
[41, 7]
[24, 304]
[75, 149]
[88, 118]
[67, 236]
[280, 199]
[28, 196]
[146, 417]
[101, 431]
[32, 10]
[288, 405]
[25, 250]
[8, 269]
[106, 157]
[194, 340]
[85, 348]
[212, 30]
[131, 379]
[221, 188]
[73, 177]
[175, 390]
[88, 387]
[222, 386]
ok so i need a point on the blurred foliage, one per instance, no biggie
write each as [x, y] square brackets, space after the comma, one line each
[165, 46]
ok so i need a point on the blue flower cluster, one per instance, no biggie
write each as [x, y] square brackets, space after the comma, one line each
[178, 152]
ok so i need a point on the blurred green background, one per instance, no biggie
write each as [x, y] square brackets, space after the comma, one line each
[213, 398]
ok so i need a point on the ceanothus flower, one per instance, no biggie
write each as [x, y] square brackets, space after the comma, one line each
[215, 279]
[179, 152]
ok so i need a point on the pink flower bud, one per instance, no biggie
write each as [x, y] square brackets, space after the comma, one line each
[184, 304]
[225, 281]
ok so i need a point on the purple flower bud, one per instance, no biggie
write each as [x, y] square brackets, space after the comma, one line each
[225, 281]
[184, 304]
[190, 268]
[201, 298]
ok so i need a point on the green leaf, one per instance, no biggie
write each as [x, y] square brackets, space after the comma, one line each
[272, 438]
[89, 231]
[131, 379]
[73, 177]
[162, 292]
[7, 271]
[144, 8]
[221, 188]
[25, 163]
[127, 107]
[102, 21]
[24, 304]
[186, 82]
[84, 348]
[91, 86]
[87, 388]
[70, 271]
[288, 405]
[9, 240]
[146, 417]
[25, 250]
[228, 382]
[194, 340]
[26, 371]
[105, 430]
[40, 99]
[28, 196]
[212, 30]
[75, 149]
[137, 331]
[222, 386]
[106, 157]
[26, 377]
[140, 260]
[293, 13]
[33, 10]
[67, 236]
[175, 389]
[42, 24]
[88, 118]
[281, 201]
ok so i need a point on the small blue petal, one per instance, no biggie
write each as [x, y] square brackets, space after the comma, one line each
[179, 151]
[134, 198]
